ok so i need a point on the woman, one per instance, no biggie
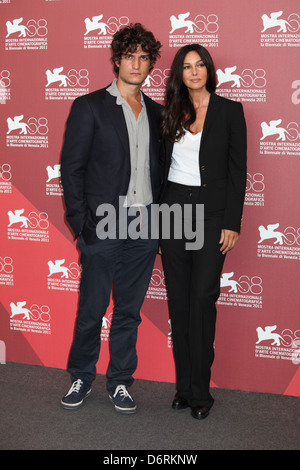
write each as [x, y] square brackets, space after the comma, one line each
[204, 157]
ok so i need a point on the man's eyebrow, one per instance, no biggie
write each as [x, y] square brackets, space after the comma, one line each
[136, 53]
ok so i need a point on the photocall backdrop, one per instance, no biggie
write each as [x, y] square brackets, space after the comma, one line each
[55, 50]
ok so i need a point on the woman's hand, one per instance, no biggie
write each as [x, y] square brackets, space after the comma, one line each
[228, 240]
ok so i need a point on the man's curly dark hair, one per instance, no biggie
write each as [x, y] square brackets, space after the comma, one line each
[128, 38]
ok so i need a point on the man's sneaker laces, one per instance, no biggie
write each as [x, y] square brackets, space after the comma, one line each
[75, 396]
[122, 400]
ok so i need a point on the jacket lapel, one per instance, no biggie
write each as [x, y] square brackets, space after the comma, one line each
[213, 107]
[151, 122]
[116, 115]
[168, 156]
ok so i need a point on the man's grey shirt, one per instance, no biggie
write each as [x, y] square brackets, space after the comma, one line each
[139, 190]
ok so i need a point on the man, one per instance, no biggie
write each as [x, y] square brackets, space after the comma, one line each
[111, 150]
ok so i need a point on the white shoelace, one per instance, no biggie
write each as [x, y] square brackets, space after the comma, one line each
[123, 392]
[75, 387]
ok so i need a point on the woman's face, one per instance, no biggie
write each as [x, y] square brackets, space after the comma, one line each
[194, 73]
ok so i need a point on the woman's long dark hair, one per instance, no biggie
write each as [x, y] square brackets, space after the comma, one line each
[179, 113]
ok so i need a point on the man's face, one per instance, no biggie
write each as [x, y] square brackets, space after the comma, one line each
[134, 67]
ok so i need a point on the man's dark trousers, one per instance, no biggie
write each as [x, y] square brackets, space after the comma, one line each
[126, 265]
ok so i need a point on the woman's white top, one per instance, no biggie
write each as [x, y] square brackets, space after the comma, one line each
[184, 168]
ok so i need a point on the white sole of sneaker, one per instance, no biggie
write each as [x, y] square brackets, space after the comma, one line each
[124, 411]
[74, 406]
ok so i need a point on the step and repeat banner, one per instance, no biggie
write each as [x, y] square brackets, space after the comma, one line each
[55, 50]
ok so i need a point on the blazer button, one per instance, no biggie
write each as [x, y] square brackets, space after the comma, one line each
[202, 167]
[204, 185]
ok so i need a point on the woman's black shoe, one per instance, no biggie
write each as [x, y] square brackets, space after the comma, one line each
[179, 403]
[200, 412]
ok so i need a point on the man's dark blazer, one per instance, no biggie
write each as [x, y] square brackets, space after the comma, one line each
[222, 160]
[95, 159]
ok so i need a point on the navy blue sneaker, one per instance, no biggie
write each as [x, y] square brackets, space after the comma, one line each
[75, 396]
[122, 400]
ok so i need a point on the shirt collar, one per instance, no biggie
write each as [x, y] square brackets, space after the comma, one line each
[114, 91]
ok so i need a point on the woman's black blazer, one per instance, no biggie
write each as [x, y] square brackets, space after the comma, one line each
[222, 160]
